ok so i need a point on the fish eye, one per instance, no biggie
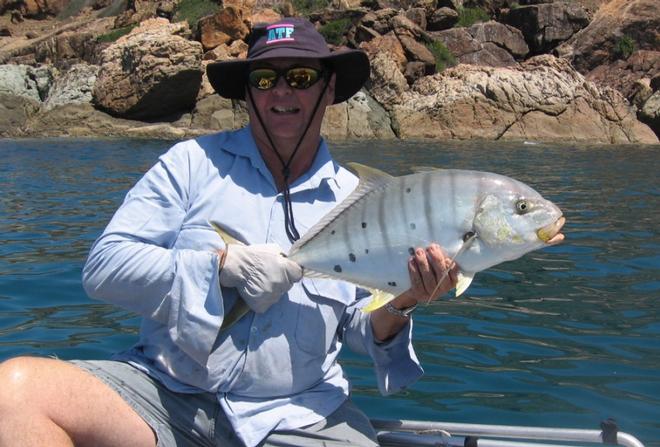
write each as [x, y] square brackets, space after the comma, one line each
[522, 206]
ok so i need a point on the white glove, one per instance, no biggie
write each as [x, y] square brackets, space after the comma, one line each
[260, 273]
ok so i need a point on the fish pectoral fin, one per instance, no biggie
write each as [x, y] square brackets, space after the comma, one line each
[463, 281]
[379, 298]
[226, 237]
[238, 311]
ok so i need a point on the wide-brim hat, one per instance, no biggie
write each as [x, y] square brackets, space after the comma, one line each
[292, 37]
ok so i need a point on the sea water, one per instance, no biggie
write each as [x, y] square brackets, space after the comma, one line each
[563, 337]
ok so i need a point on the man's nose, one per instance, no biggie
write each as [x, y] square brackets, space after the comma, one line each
[281, 86]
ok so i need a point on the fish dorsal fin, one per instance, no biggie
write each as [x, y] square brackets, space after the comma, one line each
[371, 179]
[368, 175]
[224, 234]
[421, 169]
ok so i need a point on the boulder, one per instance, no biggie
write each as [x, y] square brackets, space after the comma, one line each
[619, 46]
[414, 71]
[21, 91]
[25, 81]
[379, 20]
[67, 48]
[655, 82]
[650, 113]
[33, 9]
[362, 34]
[416, 51]
[15, 111]
[442, 18]
[504, 36]
[73, 87]
[453, 4]
[216, 113]
[641, 93]
[225, 26]
[623, 74]
[547, 25]
[417, 16]
[388, 43]
[387, 82]
[83, 120]
[151, 72]
[403, 26]
[359, 117]
[637, 20]
[266, 15]
[136, 11]
[543, 99]
[490, 44]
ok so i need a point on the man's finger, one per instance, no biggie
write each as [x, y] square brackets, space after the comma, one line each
[427, 271]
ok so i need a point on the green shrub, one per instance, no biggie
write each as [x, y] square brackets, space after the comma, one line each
[470, 16]
[624, 47]
[115, 34]
[306, 7]
[193, 10]
[334, 30]
[443, 57]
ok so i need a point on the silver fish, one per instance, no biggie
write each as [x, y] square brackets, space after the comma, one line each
[480, 219]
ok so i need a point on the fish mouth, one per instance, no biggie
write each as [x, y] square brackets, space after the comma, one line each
[550, 233]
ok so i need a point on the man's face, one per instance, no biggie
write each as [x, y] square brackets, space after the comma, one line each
[286, 110]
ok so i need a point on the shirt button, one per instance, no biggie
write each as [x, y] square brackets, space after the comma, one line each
[254, 329]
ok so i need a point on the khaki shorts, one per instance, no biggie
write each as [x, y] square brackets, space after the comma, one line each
[181, 420]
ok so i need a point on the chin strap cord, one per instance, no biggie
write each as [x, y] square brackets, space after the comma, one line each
[289, 223]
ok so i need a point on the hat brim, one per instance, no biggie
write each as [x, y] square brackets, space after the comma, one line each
[351, 68]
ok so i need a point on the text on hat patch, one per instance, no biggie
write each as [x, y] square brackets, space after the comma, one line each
[282, 32]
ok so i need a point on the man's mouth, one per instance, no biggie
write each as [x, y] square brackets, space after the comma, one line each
[284, 110]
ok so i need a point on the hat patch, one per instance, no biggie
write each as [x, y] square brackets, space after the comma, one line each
[282, 32]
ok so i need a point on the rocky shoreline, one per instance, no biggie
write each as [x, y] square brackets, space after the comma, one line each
[582, 71]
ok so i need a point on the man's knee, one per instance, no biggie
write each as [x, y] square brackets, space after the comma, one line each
[23, 380]
[16, 377]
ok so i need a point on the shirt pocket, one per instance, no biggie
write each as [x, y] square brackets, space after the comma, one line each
[320, 312]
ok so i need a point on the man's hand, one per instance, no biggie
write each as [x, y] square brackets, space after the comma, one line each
[432, 274]
[260, 273]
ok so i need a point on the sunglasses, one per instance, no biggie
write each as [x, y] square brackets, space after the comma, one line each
[300, 78]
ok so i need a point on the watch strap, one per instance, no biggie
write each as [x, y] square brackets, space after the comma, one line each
[405, 312]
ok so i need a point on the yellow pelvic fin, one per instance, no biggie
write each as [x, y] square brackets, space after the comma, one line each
[226, 237]
[379, 298]
[463, 281]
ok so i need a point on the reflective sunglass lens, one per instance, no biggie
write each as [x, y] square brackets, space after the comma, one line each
[263, 78]
[301, 77]
[297, 77]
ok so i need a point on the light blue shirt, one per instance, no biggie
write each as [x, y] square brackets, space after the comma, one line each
[158, 257]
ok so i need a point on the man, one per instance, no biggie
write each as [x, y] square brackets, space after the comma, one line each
[272, 378]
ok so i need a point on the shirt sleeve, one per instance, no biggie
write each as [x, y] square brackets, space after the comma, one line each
[395, 362]
[133, 263]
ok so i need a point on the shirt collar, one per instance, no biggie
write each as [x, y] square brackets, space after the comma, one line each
[322, 171]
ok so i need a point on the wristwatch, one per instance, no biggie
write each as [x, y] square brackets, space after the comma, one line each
[405, 312]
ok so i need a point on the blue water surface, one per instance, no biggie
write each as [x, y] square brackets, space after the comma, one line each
[564, 337]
